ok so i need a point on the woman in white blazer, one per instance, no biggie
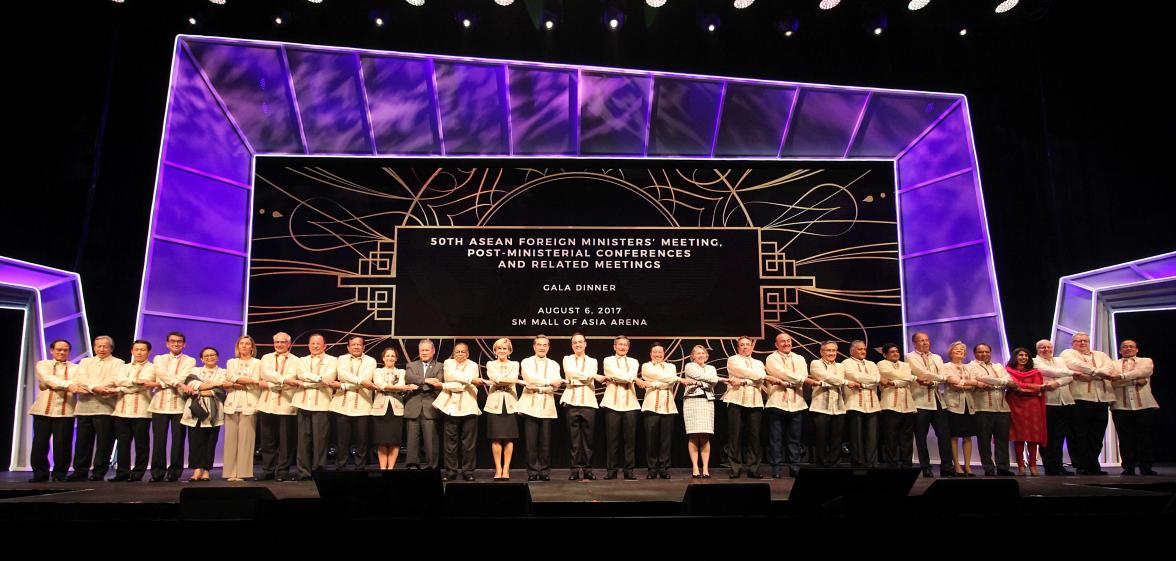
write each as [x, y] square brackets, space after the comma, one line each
[502, 425]
[698, 410]
[960, 407]
[243, 373]
[388, 409]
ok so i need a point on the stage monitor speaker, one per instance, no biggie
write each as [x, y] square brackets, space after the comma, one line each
[817, 486]
[222, 503]
[973, 490]
[487, 500]
[382, 493]
[727, 499]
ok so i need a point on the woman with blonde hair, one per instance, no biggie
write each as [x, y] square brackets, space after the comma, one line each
[502, 426]
[242, 392]
[698, 409]
[961, 422]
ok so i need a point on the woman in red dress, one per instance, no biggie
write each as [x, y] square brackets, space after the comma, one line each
[1027, 405]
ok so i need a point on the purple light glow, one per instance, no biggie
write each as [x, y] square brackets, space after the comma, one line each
[409, 104]
[54, 308]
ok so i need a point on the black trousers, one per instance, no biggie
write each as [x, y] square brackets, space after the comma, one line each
[620, 428]
[1089, 426]
[93, 429]
[898, 438]
[422, 432]
[279, 442]
[126, 432]
[659, 436]
[537, 435]
[863, 439]
[1135, 437]
[784, 444]
[581, 422]
[202, 446]
[461, 439]
[829, 431]
[160, 465]
[925, 420]
[1058, 420]
[60, 430]
[743, 438]
[314, 428]
[992, 427]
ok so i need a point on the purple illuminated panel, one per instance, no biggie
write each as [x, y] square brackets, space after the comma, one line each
[1075, 311]
[941, 214]
[892, 120]
[613, 113]
[683, 117]
[1125, 275]
[253, 83]
[946, 284]
[753, 120]
[971, 332]
[824, 123]
[400, 95]
[1160, 268]
[195, 282]
[542, 107]
[53, 309]
[198, 333]
[199, 134]
[196, 209]
[60, 300]
[473, 108]
[331, 102]
[939, 153]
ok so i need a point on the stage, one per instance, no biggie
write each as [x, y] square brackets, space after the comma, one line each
[559, 498]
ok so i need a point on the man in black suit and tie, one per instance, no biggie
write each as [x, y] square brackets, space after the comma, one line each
[426, 373]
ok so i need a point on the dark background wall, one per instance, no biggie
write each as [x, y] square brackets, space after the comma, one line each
[1072, 125]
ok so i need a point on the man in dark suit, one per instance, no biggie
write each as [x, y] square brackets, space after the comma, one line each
[426, 373]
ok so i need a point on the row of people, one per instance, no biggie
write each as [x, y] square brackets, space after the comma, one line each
[293, 400]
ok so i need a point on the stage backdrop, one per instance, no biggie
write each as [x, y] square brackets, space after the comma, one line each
[685, 252]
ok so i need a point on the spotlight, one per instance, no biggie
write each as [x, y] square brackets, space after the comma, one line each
[278, 20]
[613, 18]
[963, 31]
[119, 1]
[549, 25]
[218, 2]
[416, 2]
[655, 3]
[740, 4]
[829, 4]
[465, 22]
[788, 26]
[915, 5]
[1006, 5]
[191, 21]
[710, 23]
[710, 27]
[379, 22]
[315, 1]
[878, 31]
[504, 2]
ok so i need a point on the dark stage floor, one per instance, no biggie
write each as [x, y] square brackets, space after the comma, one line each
[14, 488]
